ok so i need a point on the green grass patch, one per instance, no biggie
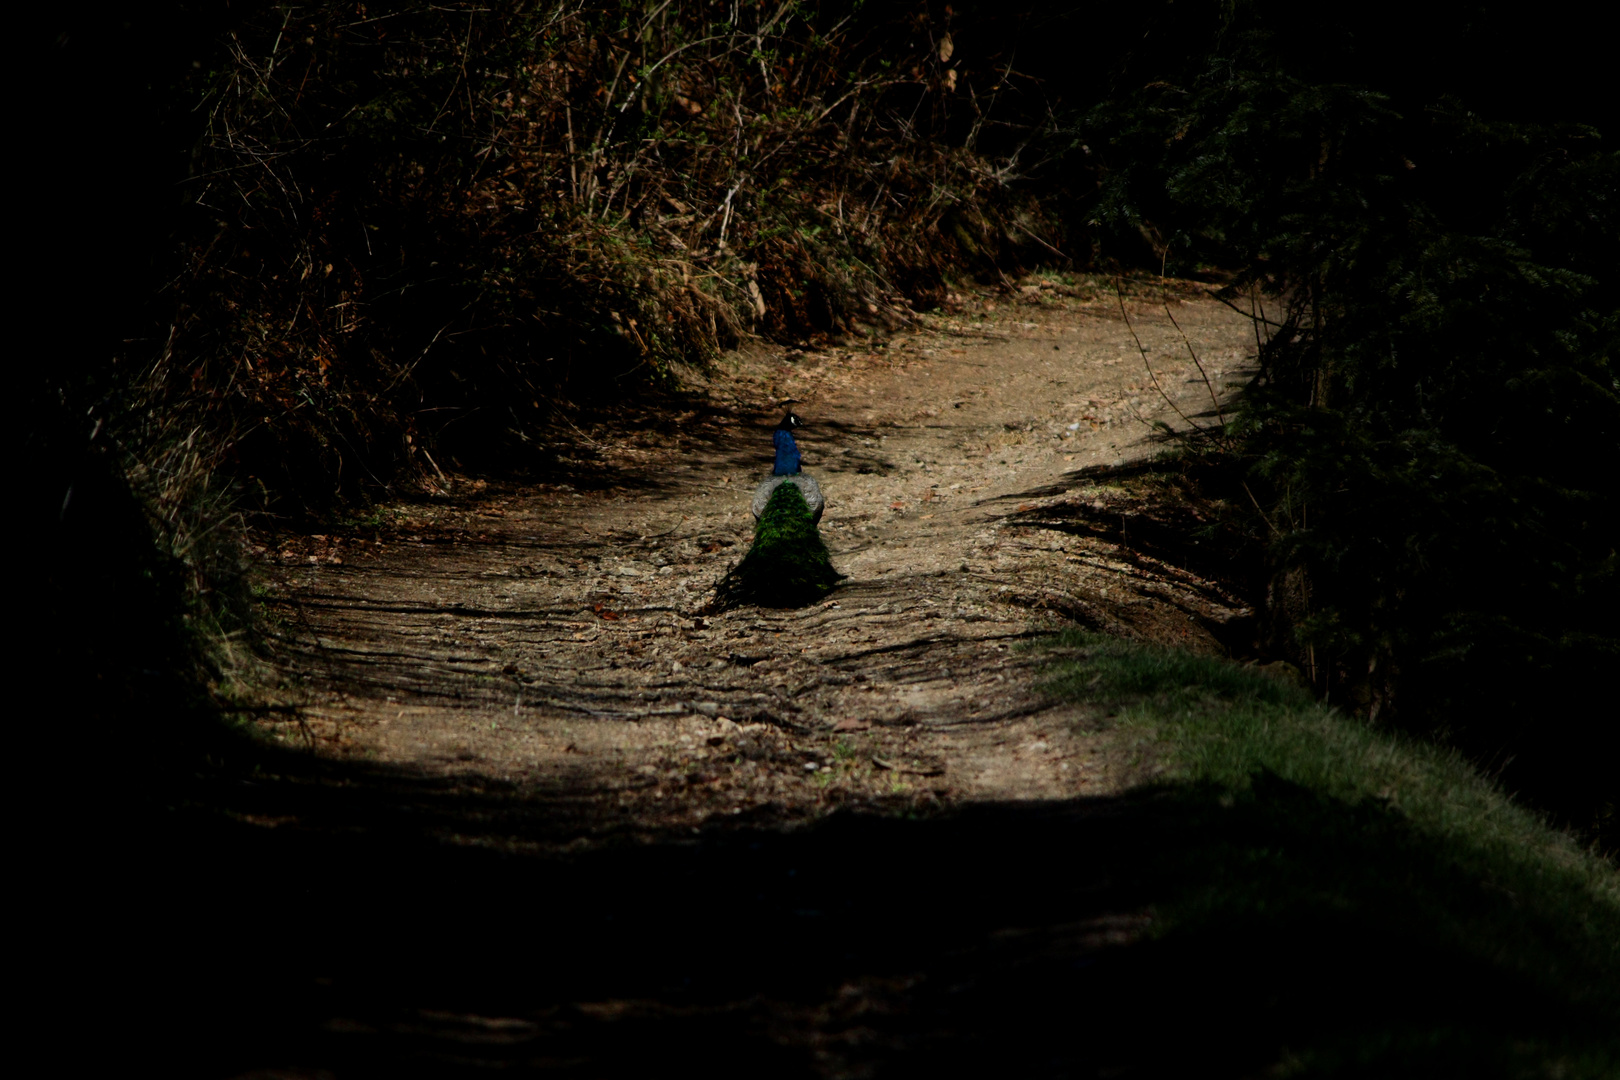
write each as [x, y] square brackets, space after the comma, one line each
[1312, 853]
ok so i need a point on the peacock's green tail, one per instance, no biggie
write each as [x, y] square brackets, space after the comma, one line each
[788, 565]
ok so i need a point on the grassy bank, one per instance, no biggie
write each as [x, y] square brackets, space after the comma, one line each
[1322, 842]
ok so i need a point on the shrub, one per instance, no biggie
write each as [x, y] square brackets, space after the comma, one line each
[422, 227]
[1435, 423]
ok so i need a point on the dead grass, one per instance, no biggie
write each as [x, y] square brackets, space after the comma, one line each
[423, 236]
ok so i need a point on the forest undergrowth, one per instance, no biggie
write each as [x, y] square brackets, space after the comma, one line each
[420, 231]
[365, 247]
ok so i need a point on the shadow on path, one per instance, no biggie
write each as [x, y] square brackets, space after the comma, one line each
[1009, 940]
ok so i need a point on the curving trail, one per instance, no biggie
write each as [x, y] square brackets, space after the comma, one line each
[564, 819]
[554, 637]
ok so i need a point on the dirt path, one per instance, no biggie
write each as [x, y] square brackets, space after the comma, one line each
[548, 642]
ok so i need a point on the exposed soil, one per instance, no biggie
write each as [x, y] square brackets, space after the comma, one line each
[563, 817]
[559, 639]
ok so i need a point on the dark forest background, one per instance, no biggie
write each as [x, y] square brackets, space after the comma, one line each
[288, 259]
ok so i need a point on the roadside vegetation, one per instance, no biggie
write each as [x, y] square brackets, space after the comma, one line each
[1427, 451]
[303, 263]
[418, 233]
[341, 251]
[1322, 835]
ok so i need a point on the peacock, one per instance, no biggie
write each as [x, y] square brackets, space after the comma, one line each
[788, 565]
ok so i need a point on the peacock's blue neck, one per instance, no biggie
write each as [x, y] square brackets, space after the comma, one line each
[787, 454]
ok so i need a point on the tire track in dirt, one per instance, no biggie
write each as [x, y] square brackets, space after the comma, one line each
[552, 640]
